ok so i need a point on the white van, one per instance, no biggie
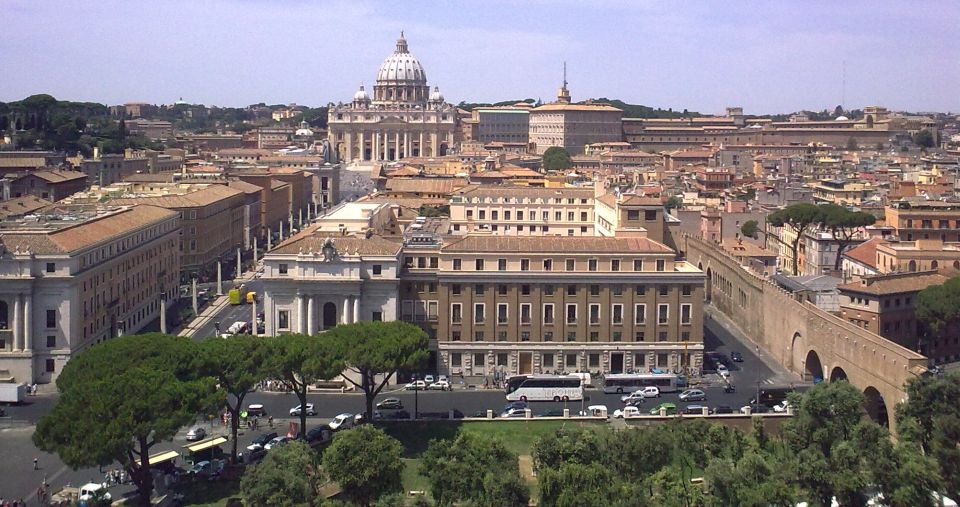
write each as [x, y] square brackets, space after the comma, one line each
[91, 491]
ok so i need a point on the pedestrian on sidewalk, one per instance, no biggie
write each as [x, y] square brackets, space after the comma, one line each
[35, 464]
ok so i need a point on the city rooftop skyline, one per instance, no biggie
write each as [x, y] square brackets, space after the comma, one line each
[767, 58]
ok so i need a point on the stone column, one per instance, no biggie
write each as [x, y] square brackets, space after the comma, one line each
[27, 322]
[193, 286]
[281, 231]
[346, 310]
[420, 147]
[17, 312]
[163, 313]
[356, 308]
[406, 144]
[396, 143]
[253, 317]
[301, 321]
[375, 156]
[433, 144]
[349, 143]
[239, 264]
[300, 217]
[269, 239]
[291, 223]
[363, 148]
[254, 252]
[219, 278]
[310, 319]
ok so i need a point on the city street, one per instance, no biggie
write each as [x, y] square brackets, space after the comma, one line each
[18, 479]
[231, 313]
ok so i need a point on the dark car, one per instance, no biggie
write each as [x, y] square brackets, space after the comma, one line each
[515, 404]
[390, 404]
[319, 434]
[636, 402]
[729, 388]
[723, 409]
[736, 357]
[262, 440]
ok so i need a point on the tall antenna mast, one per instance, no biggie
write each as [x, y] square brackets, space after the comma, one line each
[564, 74]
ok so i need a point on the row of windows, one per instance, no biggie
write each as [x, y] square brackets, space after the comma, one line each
[544, 215]
[571, 336]
[456, 289]
[615, 313]
[570, 360]
[569, 264]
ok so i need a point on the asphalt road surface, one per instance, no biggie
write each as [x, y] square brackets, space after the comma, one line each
[232, 313]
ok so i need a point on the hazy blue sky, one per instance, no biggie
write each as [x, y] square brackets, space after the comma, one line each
[769, 56]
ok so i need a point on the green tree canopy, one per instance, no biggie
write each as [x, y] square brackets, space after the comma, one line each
[938, 306]
[120, 398]
[924, 139]
[844, 225]
[800, 217]
[457, 470]
[555, 158]
[365, 462]
[750, 229]
[300, 360]
[931, 418]
[289, 475]
[576, 484]
[674, 202]
[375, 349]
[238, 365]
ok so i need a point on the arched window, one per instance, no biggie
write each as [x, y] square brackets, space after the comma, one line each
[912, 266]
[933, 265]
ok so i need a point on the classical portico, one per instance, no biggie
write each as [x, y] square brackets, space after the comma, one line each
[402, 119]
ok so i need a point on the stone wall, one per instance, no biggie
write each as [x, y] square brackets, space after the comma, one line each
[803, 338]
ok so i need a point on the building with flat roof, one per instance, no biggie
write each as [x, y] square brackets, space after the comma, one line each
[573, 126]
[76, 275]
[507, 124]
[523, 211]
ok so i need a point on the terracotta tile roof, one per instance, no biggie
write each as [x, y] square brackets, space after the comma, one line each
[554, 244]
[441, 185]
[19, 206]
[528, 192]
[897, 283]
[745, 248]
[59, 176]
[85, 234]
[865, 253]
[243, 186]
[312, 241]
[202, 197]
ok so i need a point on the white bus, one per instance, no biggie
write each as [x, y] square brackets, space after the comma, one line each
[629, 382]
[544, 388]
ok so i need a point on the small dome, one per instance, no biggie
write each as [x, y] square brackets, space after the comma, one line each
[304, 130]
[841, 118]
[435, 95]
[361, 95]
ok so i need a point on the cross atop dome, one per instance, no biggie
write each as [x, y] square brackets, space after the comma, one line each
[401, 44]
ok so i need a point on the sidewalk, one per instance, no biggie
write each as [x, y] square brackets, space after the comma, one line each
[780, 373]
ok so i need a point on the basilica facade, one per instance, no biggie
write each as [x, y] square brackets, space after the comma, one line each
[403, 118]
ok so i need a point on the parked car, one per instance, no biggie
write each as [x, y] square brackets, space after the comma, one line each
[595, 411]
[635, 402]
[261, 441]
[518, 413]
[670, 408]
[205, 469]
[781, 408]
[723, 409]
[390, 404]
[417, 385]
[443, 378]
[515, 404]
[722, 370]
[341, 422]
[694, 410]
[396, 415]
[295, 411]
[440, 385]
[636, 395]
[196, 433]
[428, 379]
[553, 412]
[650, 392]
[276, 442]
[256, 409]
[627, 412]
[729, 388]
[319, 434]
[693, 395]
[736, 357]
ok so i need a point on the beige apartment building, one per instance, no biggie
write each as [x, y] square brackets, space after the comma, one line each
[918, 255]
[80, 275]
[921, 219]
[522, 211]
[518, 305]
[573, 126]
